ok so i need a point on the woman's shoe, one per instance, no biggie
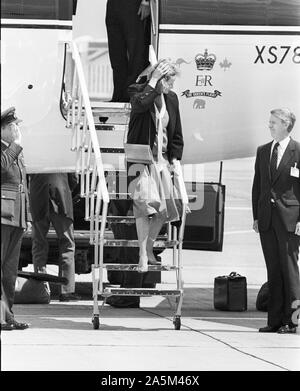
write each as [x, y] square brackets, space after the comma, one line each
[143, 265]
[142, 268]
[154, 262]
[151, 257]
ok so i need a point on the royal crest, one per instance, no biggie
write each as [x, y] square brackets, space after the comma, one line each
[205, 61]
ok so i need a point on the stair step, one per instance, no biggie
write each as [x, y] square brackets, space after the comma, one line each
[112, 150]
[141, 292]
[121, 219]
[134, 267]
[110, 127]
[110, 105]
[117, 219]
[117, 150]
[135, 243]
[112, 196]
[121, 196]
[120, 121]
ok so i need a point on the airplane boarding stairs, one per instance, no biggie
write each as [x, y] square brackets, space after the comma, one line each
[98, 132]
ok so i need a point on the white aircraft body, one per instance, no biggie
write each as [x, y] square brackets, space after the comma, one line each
[231, 77]
[32, 52]
[236, 64]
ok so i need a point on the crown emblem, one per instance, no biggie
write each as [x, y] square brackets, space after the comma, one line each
[205, 61]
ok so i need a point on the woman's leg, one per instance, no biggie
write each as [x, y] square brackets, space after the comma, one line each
[142, 227]
[156, 224]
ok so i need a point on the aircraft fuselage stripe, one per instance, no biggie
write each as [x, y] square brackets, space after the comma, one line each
[227, 32]
[36, 26]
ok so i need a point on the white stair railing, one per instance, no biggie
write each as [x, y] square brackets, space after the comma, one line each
[89, 166]
[89, 163]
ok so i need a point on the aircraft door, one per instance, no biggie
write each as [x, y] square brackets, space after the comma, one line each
[205, 225]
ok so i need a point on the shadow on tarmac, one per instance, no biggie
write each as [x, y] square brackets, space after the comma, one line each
[197, 304]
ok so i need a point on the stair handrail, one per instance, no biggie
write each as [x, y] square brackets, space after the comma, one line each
[90, 121]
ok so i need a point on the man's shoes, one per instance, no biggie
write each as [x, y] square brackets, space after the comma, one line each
[269, 329]
[6, 327]
[122, 302]
[69, 297]
[18, 325]
[287, 329]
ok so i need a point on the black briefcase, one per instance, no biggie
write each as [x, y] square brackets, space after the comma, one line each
[230, 292]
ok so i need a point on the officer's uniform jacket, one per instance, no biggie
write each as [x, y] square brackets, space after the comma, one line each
[14, 195]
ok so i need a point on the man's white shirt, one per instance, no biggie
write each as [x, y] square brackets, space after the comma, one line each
[281, 148]
[5, 143]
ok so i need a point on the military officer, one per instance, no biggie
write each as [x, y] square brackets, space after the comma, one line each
[15, 215]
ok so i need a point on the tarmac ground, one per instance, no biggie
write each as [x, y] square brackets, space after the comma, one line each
[61, 336]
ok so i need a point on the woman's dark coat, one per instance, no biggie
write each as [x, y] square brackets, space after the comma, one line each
[142, 129]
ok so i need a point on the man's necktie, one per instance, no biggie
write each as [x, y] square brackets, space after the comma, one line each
[273, 161]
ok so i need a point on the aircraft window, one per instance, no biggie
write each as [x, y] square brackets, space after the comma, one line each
[231, 12]
[38, 9]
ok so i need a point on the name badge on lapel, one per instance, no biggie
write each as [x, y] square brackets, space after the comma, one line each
[295, 171]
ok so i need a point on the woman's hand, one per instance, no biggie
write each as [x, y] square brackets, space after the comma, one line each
[161, 70]
[144, 10]
[28, 227]
[172, 165]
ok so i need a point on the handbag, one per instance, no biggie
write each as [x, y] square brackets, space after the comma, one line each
[145, 192]
[138, 153]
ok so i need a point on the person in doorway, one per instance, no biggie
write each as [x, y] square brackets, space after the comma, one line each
[128, 32]
[276, 213]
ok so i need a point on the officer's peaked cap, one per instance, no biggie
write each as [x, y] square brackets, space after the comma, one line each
[8, 116]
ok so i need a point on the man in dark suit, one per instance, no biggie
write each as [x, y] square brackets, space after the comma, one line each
[51, 203]
[128, 32]
[15, 215]
[276, 213]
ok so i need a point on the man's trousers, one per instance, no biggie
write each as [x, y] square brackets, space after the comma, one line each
[128, 40]
[65, 234]
[281, 251]
[11, 239]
